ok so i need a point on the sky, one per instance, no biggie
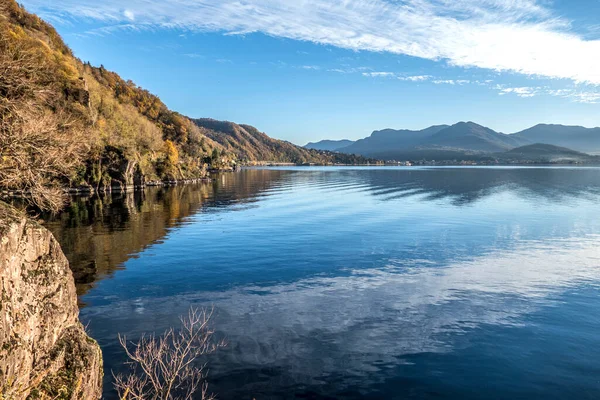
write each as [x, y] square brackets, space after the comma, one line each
[306, 70]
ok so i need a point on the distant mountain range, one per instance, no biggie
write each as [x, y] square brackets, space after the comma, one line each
[329, 145]
[577, 138]
[467, 140]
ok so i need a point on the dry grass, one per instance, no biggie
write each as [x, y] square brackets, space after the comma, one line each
[40, 143]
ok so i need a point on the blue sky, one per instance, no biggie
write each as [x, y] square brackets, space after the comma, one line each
[304, 70]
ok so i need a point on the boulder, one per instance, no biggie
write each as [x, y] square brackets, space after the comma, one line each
[44, 349]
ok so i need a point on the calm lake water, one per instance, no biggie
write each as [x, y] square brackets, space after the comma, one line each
[371, 283]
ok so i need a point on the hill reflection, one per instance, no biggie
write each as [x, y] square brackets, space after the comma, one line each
[463, 186]
[100, 233]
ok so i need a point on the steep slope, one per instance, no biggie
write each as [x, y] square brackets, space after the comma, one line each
[473, 137]
[573, 137]
[389, 140]
[66, 123]
[249, 144]
[329, 145]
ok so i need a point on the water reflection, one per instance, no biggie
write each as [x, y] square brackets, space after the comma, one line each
[465, 185]
[99, 233]
[359, 282]
[348, 333]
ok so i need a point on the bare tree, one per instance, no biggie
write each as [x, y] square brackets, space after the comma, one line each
[168, 367]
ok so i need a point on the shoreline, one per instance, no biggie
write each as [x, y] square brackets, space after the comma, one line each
[90, 190]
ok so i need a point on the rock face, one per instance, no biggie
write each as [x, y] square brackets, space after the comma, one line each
[44, 350]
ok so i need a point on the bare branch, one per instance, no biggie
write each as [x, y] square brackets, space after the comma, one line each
[168, 367]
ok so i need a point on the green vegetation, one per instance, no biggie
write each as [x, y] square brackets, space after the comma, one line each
[67, 123]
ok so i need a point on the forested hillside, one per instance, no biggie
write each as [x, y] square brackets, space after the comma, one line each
[64, 122]
[247, 143]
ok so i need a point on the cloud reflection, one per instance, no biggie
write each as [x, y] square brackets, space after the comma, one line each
[368, 320]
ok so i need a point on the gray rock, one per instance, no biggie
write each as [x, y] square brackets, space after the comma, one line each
[44, 350]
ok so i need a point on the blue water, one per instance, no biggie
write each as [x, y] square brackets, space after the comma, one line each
[376, 283]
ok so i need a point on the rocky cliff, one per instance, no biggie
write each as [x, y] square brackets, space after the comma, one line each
[44, 350]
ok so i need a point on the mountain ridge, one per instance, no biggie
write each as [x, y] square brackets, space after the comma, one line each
[571, 136]
[329, 145]
[470, 137]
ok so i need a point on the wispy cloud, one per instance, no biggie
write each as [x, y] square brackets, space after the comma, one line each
[416, 78]
[379, 74]
[194, 55]
[349, 70]
[451, 81]
[310, 67]
[520, 91]
[412, 78]
[576, 93]
[585, 97]
[522, 36]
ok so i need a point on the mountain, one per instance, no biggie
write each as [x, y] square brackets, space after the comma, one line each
[443, 140]
[573, 137]
[390, 139]
[546, 153]
[473, 137]
[68, 123]
[329, 145]
[468, 141]
[247, 143]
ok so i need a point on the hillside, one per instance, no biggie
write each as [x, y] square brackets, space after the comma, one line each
[573, 137]
[329, 145]
[68, 123]
[248, 144]
[546, 153]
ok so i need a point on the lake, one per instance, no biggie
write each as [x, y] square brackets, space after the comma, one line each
[370, 283]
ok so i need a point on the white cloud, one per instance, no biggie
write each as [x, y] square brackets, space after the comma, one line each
[578, 96]
[129, 15]
[519, 91]
[311, 67]
[575, 93]
[416, 78]
[349, 70]
[379, 74]
[194, 55]
[521, 36]
[451, 81]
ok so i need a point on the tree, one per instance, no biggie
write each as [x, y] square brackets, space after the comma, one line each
[215, 155]
[167, 367]
[171, 152]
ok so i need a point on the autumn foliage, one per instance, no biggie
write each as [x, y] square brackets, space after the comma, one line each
[67, 123]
